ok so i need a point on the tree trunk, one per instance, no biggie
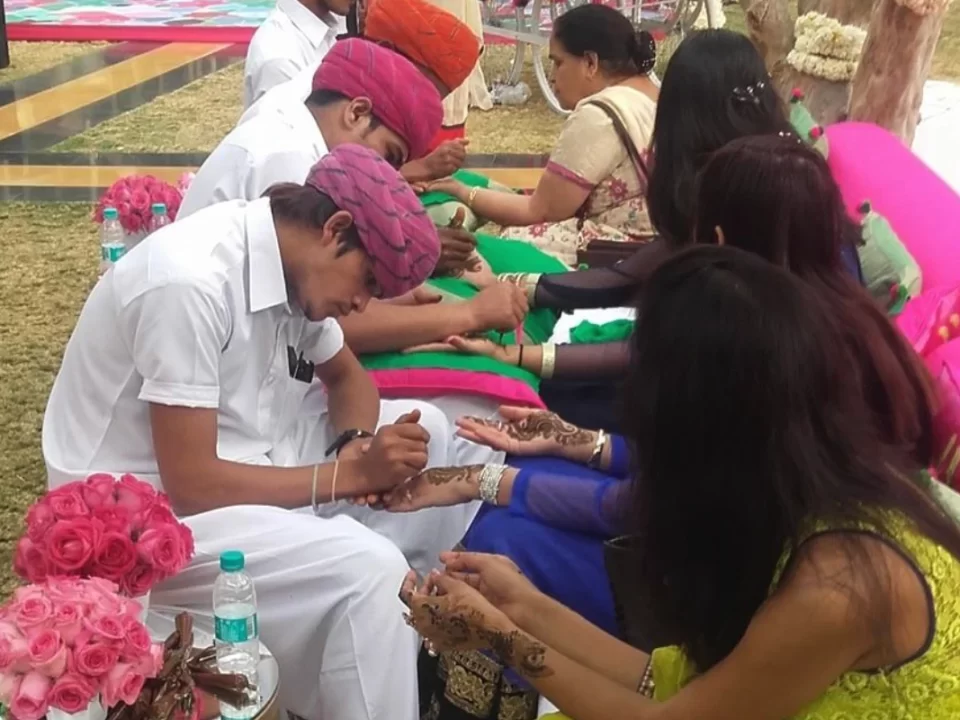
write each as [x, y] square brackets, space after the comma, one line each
[888, 87]
[848, 12]
[771, 29]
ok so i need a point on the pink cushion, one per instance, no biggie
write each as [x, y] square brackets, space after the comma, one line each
[870, 163]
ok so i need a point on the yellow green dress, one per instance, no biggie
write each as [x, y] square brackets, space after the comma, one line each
[925, 688]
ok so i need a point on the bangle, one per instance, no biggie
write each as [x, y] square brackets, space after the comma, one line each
[598, 446]
[548, 360]
[490, 478]
[520, 359]
[313, 495]
[333, 483]
[530, 283]
[472, 196]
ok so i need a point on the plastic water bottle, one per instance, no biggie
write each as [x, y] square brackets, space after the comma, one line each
[112, 237]
[503, 94]
[159, 217]
[235, 627]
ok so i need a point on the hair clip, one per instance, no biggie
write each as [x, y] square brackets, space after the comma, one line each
[749, 93]
[790, 136]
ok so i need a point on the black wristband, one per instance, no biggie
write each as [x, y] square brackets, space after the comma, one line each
[346, 437]
[520, 359]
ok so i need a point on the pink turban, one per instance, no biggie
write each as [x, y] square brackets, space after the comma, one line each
[403, 98]
[394, 228]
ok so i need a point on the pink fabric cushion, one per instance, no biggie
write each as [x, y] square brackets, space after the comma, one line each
[426, 382]
[870, 163]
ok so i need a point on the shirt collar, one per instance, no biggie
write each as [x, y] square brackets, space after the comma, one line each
[266, 285]
[301, 120]
[317, 29]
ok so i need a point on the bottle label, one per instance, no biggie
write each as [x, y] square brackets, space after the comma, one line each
[112, 253]
[236, 630]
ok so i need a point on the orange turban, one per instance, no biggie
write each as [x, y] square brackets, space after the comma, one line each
[427, 35]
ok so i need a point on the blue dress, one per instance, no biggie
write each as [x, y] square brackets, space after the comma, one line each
[559, 517]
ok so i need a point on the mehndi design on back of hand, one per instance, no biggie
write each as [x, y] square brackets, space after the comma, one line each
[542, 425]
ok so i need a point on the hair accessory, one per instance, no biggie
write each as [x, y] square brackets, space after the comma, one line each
[490, 478]
[749, 93]
[644, 51]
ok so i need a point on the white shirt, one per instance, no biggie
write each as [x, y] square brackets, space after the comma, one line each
[195, 316]
[291, 91]
[278, 146]
[290, 39]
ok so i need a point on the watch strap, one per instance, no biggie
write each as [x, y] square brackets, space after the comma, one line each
[347, 436]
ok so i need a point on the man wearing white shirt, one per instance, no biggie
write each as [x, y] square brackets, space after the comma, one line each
[295, 35]
[188, 367]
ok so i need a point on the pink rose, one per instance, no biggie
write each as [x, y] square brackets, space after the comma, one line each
[72, 543]
[31, 700]
[97, 491]
[9, 630]
[71, 693]
[186, 541]
[139, 580]
[48, 653]
[134, 494]
[116, 555]
[40, 519]
[66, 589]
[101, 586]
[30, 560]
[114, 517]
[14, 654]
[32, 612]
[162, 548]
[68, 620]
[67, 502]
[151, 664]
[9, 684]
[92, 658]
[109, 628]
[136, 642]
[140, 200]
[122, 684]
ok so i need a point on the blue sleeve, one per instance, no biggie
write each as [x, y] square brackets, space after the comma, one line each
[619, 457]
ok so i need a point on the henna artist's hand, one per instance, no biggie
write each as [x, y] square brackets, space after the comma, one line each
[395, 453]
[501, 307]
[453, 615]
[445, 160]
[527, 431]
[457, 252]
[436, 487]
[480, 275]
[496, 577]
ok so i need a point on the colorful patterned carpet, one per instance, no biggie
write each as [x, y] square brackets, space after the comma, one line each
[156, 20]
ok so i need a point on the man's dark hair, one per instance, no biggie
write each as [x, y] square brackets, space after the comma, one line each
[307, 207]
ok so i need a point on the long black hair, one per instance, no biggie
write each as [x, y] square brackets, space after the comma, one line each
[621, 49]
[747, 430]
[774, 196]
[715, 89]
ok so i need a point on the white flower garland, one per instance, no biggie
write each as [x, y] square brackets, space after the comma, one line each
[822, 67]
[924, 7]
[827, 49]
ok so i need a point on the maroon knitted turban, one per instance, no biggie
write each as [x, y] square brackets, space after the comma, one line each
[403, 98]
[394, 229]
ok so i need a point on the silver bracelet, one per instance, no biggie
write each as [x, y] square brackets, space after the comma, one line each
[490, 478]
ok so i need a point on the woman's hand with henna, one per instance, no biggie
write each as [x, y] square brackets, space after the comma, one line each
[528, 431]
[436, 487]
[497, 578]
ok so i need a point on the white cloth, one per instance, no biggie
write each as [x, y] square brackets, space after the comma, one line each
[293, 91]
[197, 316]
[289, 39]
[279, 146]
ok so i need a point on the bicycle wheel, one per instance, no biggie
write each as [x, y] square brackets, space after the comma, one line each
[503, 15]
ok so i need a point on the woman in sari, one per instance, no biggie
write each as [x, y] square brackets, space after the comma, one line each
[595, 182]
[784, 553]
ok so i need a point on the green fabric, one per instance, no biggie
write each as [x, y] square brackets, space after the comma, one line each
[587, 333]
[502, 256]
[806, 125]
[889, 270]
[442, 208]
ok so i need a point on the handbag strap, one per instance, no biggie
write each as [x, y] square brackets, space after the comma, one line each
[635, 157]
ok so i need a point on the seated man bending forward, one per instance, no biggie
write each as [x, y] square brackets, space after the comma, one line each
[188, 367]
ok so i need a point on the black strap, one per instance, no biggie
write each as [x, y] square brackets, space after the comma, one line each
[632, 152]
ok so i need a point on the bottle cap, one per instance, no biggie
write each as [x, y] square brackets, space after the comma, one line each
[231, 560]
[159, 209]
[110, 213]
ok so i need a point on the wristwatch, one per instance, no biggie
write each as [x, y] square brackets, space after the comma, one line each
[345, 438]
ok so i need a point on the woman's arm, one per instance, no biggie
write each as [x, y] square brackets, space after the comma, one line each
[555, 198]
[571, 361]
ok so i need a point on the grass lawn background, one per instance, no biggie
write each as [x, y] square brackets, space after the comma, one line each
[51, 252]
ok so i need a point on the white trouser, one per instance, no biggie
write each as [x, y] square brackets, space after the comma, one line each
[423, 535]
[327, 604]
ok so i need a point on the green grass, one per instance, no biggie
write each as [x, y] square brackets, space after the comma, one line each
[27, 58]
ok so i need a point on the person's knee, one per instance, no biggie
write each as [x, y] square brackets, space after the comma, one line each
[375, 565]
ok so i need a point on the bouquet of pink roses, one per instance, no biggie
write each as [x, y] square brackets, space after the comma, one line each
[120, 530]
[133, 197]
[67, 641]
